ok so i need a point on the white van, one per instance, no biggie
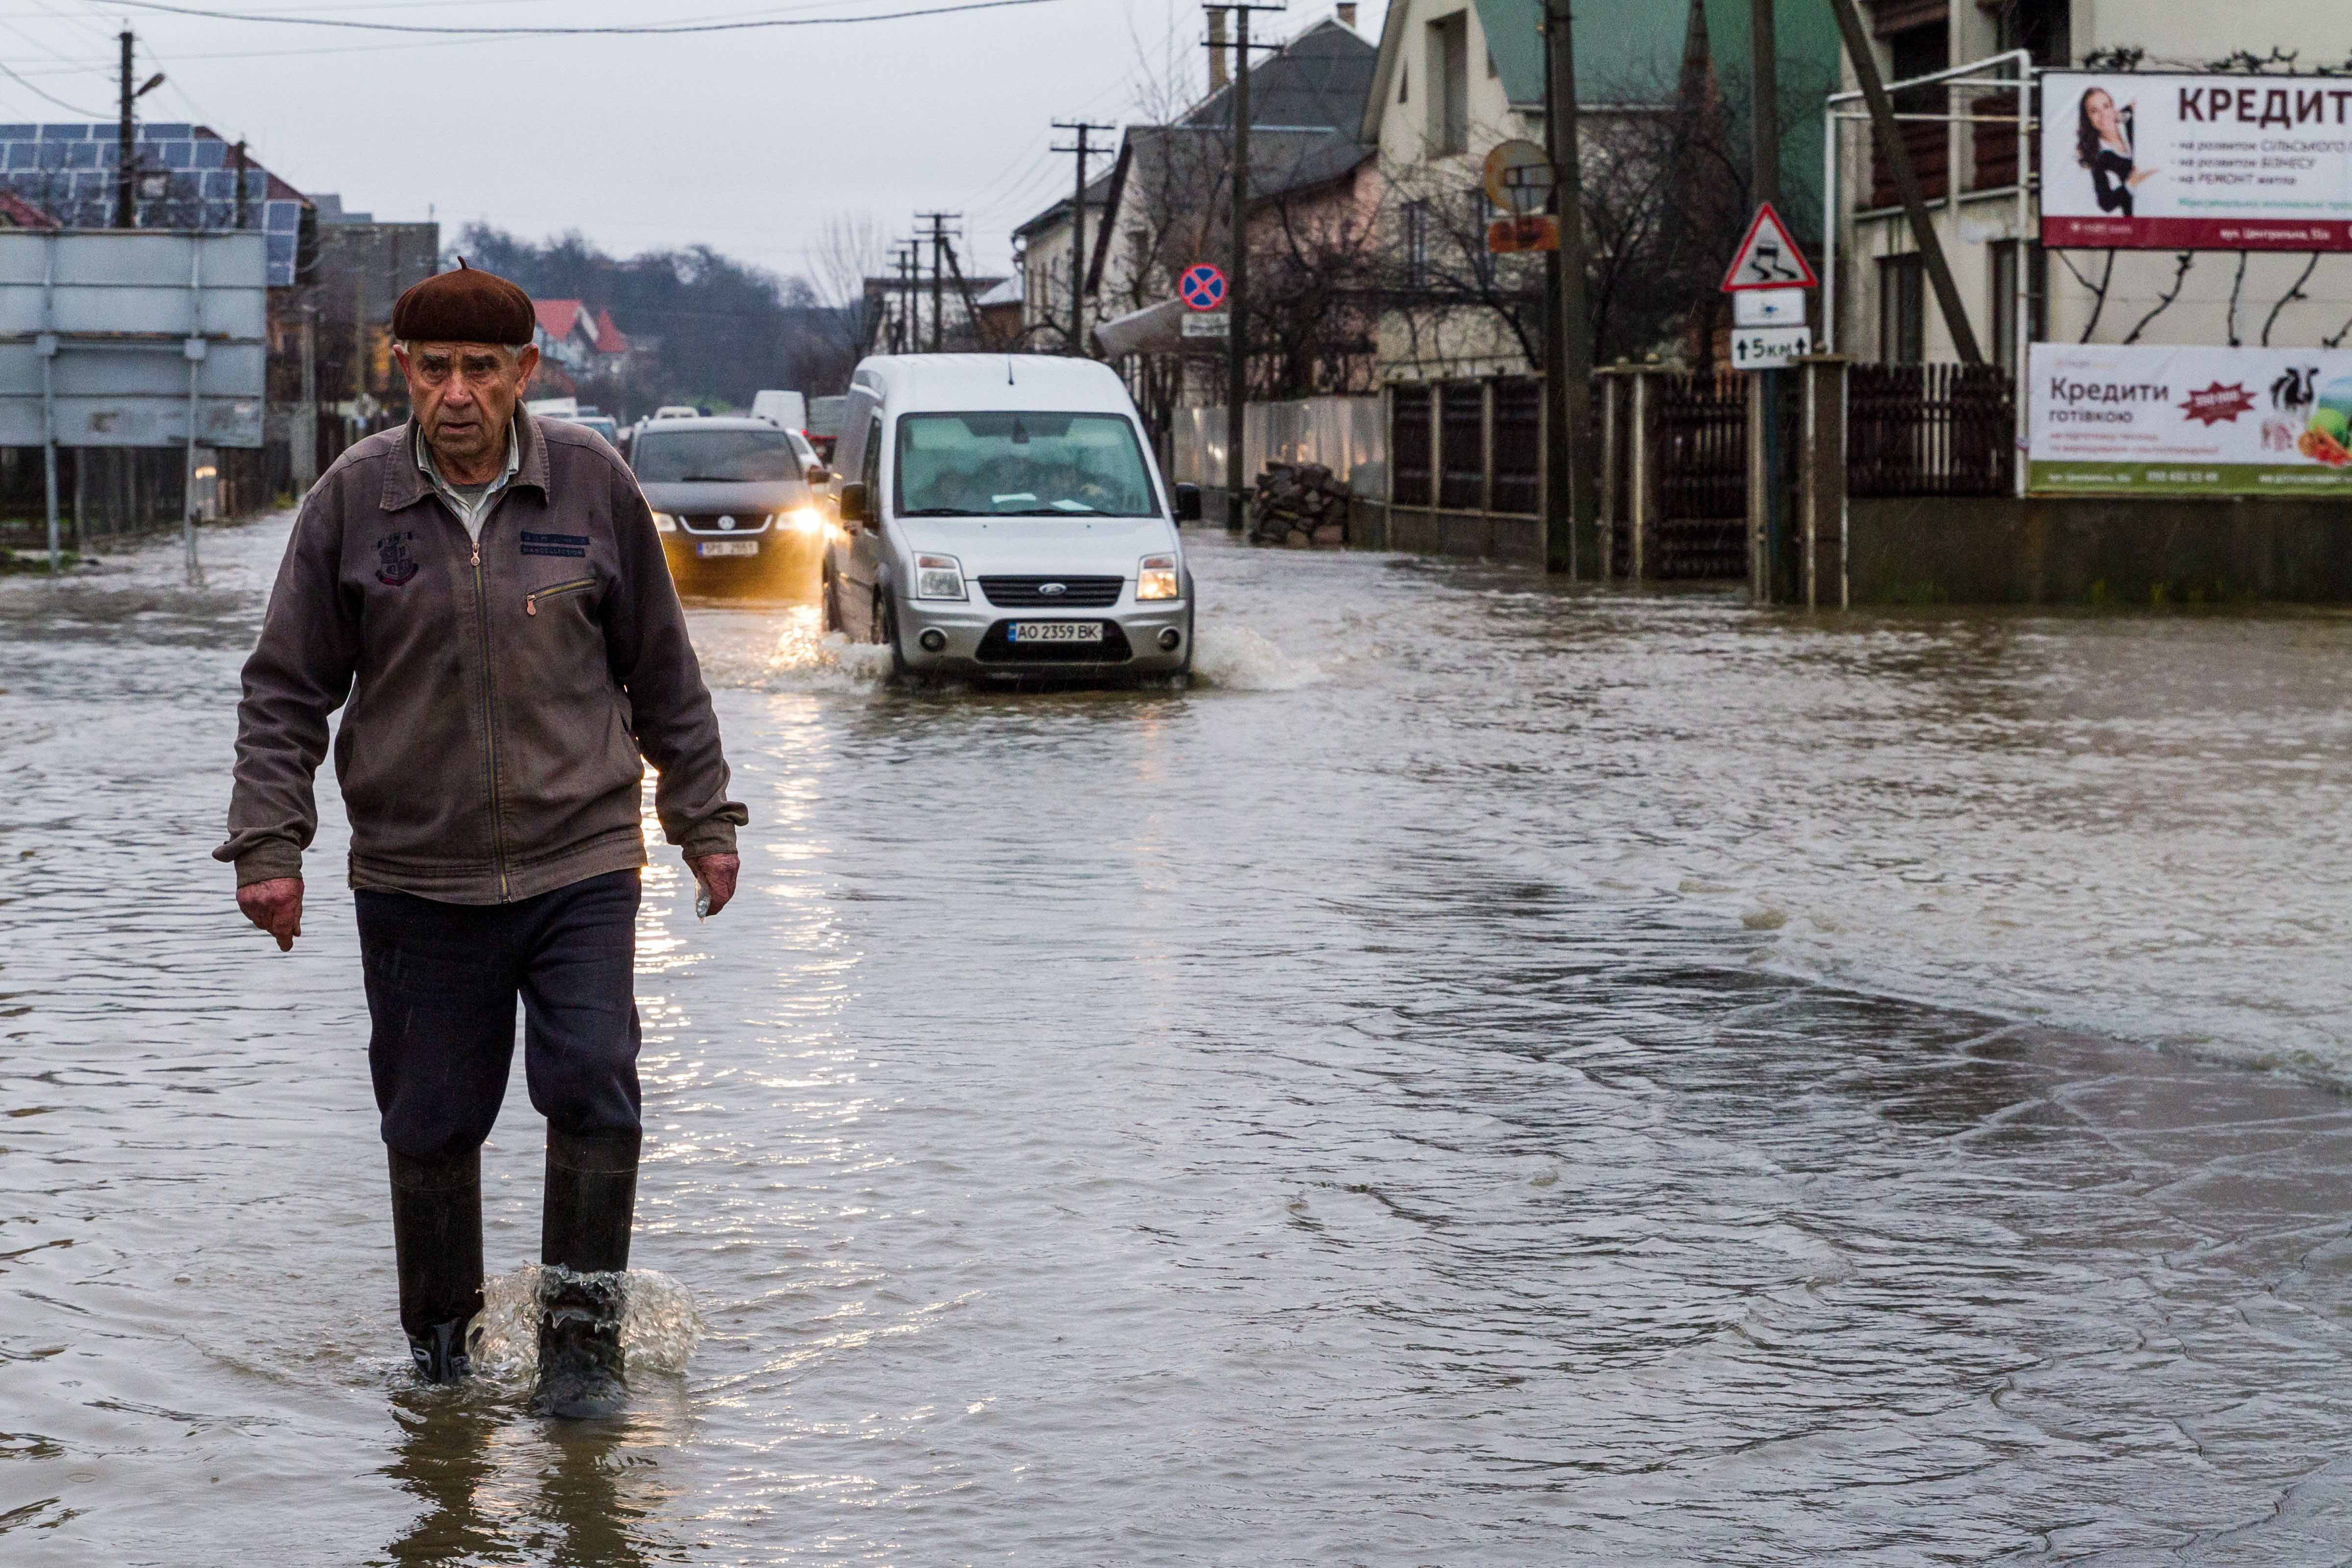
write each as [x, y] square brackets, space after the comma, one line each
[786, 410]
[1002, 515]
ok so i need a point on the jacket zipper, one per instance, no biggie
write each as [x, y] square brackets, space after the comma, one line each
[530, 600]
[490, 717]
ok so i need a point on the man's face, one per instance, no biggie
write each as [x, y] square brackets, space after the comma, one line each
[464, 395]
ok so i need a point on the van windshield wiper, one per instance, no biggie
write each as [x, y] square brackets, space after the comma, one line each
[943, 511]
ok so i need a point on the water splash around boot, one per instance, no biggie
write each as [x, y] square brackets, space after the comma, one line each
[658, 1326]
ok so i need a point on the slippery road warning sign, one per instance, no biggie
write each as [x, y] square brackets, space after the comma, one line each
[1203, 287]
[1769, 257]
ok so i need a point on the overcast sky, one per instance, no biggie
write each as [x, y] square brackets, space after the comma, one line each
[748, 141]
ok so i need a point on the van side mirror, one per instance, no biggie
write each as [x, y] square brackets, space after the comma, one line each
[1188, 504]
[853, 502]
[817, 475]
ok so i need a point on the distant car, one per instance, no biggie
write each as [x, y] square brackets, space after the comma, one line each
[825, 424]
[789, 409]
[811, 464]
[677, 411]
[604, 424]
[732, 500]
[1004, 517]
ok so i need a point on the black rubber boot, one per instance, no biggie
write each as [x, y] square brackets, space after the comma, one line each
[436, 1231]
[583, 1246]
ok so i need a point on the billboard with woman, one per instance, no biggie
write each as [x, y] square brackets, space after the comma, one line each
[2195, 162]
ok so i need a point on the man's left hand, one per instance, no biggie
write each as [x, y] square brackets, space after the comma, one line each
[715, 875]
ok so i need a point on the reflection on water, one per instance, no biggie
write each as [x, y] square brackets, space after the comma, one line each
[1493, 1074]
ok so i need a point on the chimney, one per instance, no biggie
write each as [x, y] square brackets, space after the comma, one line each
[1348, 15]
[1216, 52]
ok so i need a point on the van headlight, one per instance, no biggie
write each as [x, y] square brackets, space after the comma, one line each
[800, 520]
[937, 577]
[1157, 578]
[666, 523]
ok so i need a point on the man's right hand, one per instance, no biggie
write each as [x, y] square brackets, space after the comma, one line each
[276, 906]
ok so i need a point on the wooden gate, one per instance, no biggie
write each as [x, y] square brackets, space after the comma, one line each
[1699, 453]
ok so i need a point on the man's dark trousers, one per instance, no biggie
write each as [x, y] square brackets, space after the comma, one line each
[442, 983]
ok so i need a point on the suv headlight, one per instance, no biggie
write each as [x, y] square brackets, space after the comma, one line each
[937, 577]
[664, 522]
[1157, 578]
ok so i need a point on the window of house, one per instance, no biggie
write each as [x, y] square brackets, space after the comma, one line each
[1902, 310]
[1481, 260]
[1405, 84]
[1917, 51]
[2005, 254]
[1416, 245]
[2043, 27]
[1449, 90]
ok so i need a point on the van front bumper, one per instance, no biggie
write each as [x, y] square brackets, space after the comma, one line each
[975, 640]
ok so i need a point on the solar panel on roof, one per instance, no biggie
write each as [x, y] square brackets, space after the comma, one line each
[68, 172]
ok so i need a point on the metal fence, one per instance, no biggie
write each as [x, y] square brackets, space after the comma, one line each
[1343, 433]
[1930, 430]
[1408, 444]
[1702, 466]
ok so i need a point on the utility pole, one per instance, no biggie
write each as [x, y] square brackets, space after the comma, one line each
[1770, 509]
[1237, 271]
[938, 238]
[1078, 234]
[986, 338]
[303, 447]
[902, 331]
[239, 162]
[124, 165]
[1567, 348]
[1860, 50]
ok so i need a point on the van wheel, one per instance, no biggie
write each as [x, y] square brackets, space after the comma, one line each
[829, 603]
[888, 621]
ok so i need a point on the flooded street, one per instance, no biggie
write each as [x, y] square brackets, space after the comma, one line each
[1492, 1074]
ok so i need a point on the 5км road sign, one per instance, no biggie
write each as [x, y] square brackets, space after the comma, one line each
[1769, 348]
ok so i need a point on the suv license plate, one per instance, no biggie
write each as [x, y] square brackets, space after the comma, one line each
[707, 547]
[1055, 631]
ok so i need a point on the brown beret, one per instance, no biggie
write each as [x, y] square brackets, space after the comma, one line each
[467, 306]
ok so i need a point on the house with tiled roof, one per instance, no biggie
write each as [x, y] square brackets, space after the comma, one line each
[583, 341]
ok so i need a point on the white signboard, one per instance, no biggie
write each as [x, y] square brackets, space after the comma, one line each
[141, 330]
[2106, 419]
[1768, 307]
[2195, 162]
[1205, 324]
[1769, 348]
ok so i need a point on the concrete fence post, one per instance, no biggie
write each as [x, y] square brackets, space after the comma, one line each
[1607, 491]
[1821, 482]
[1486, 444]
[1640, 482]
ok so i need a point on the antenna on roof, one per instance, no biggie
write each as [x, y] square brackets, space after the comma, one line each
[1008, 370]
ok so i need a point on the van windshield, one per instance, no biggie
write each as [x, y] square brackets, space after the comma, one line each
[674, 456]
[1022, 465]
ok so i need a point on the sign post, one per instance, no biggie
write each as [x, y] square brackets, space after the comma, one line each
[1767, 281]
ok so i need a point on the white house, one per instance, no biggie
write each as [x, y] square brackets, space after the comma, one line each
[1969, 166]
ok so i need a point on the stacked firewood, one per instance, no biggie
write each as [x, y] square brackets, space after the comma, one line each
[1299, 503]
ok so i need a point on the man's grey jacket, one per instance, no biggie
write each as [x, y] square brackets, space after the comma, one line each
[504, 695]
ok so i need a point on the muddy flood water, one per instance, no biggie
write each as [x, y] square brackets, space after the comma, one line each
[1493, 1074]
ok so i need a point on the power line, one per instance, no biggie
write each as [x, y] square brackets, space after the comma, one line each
[652, 29]
[61, 103]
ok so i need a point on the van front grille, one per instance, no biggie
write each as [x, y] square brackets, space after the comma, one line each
[1076, 593]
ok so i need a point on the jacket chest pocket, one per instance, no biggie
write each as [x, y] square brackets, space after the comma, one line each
[538, 596]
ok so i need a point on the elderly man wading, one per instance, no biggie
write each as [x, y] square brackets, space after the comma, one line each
[488, 591]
